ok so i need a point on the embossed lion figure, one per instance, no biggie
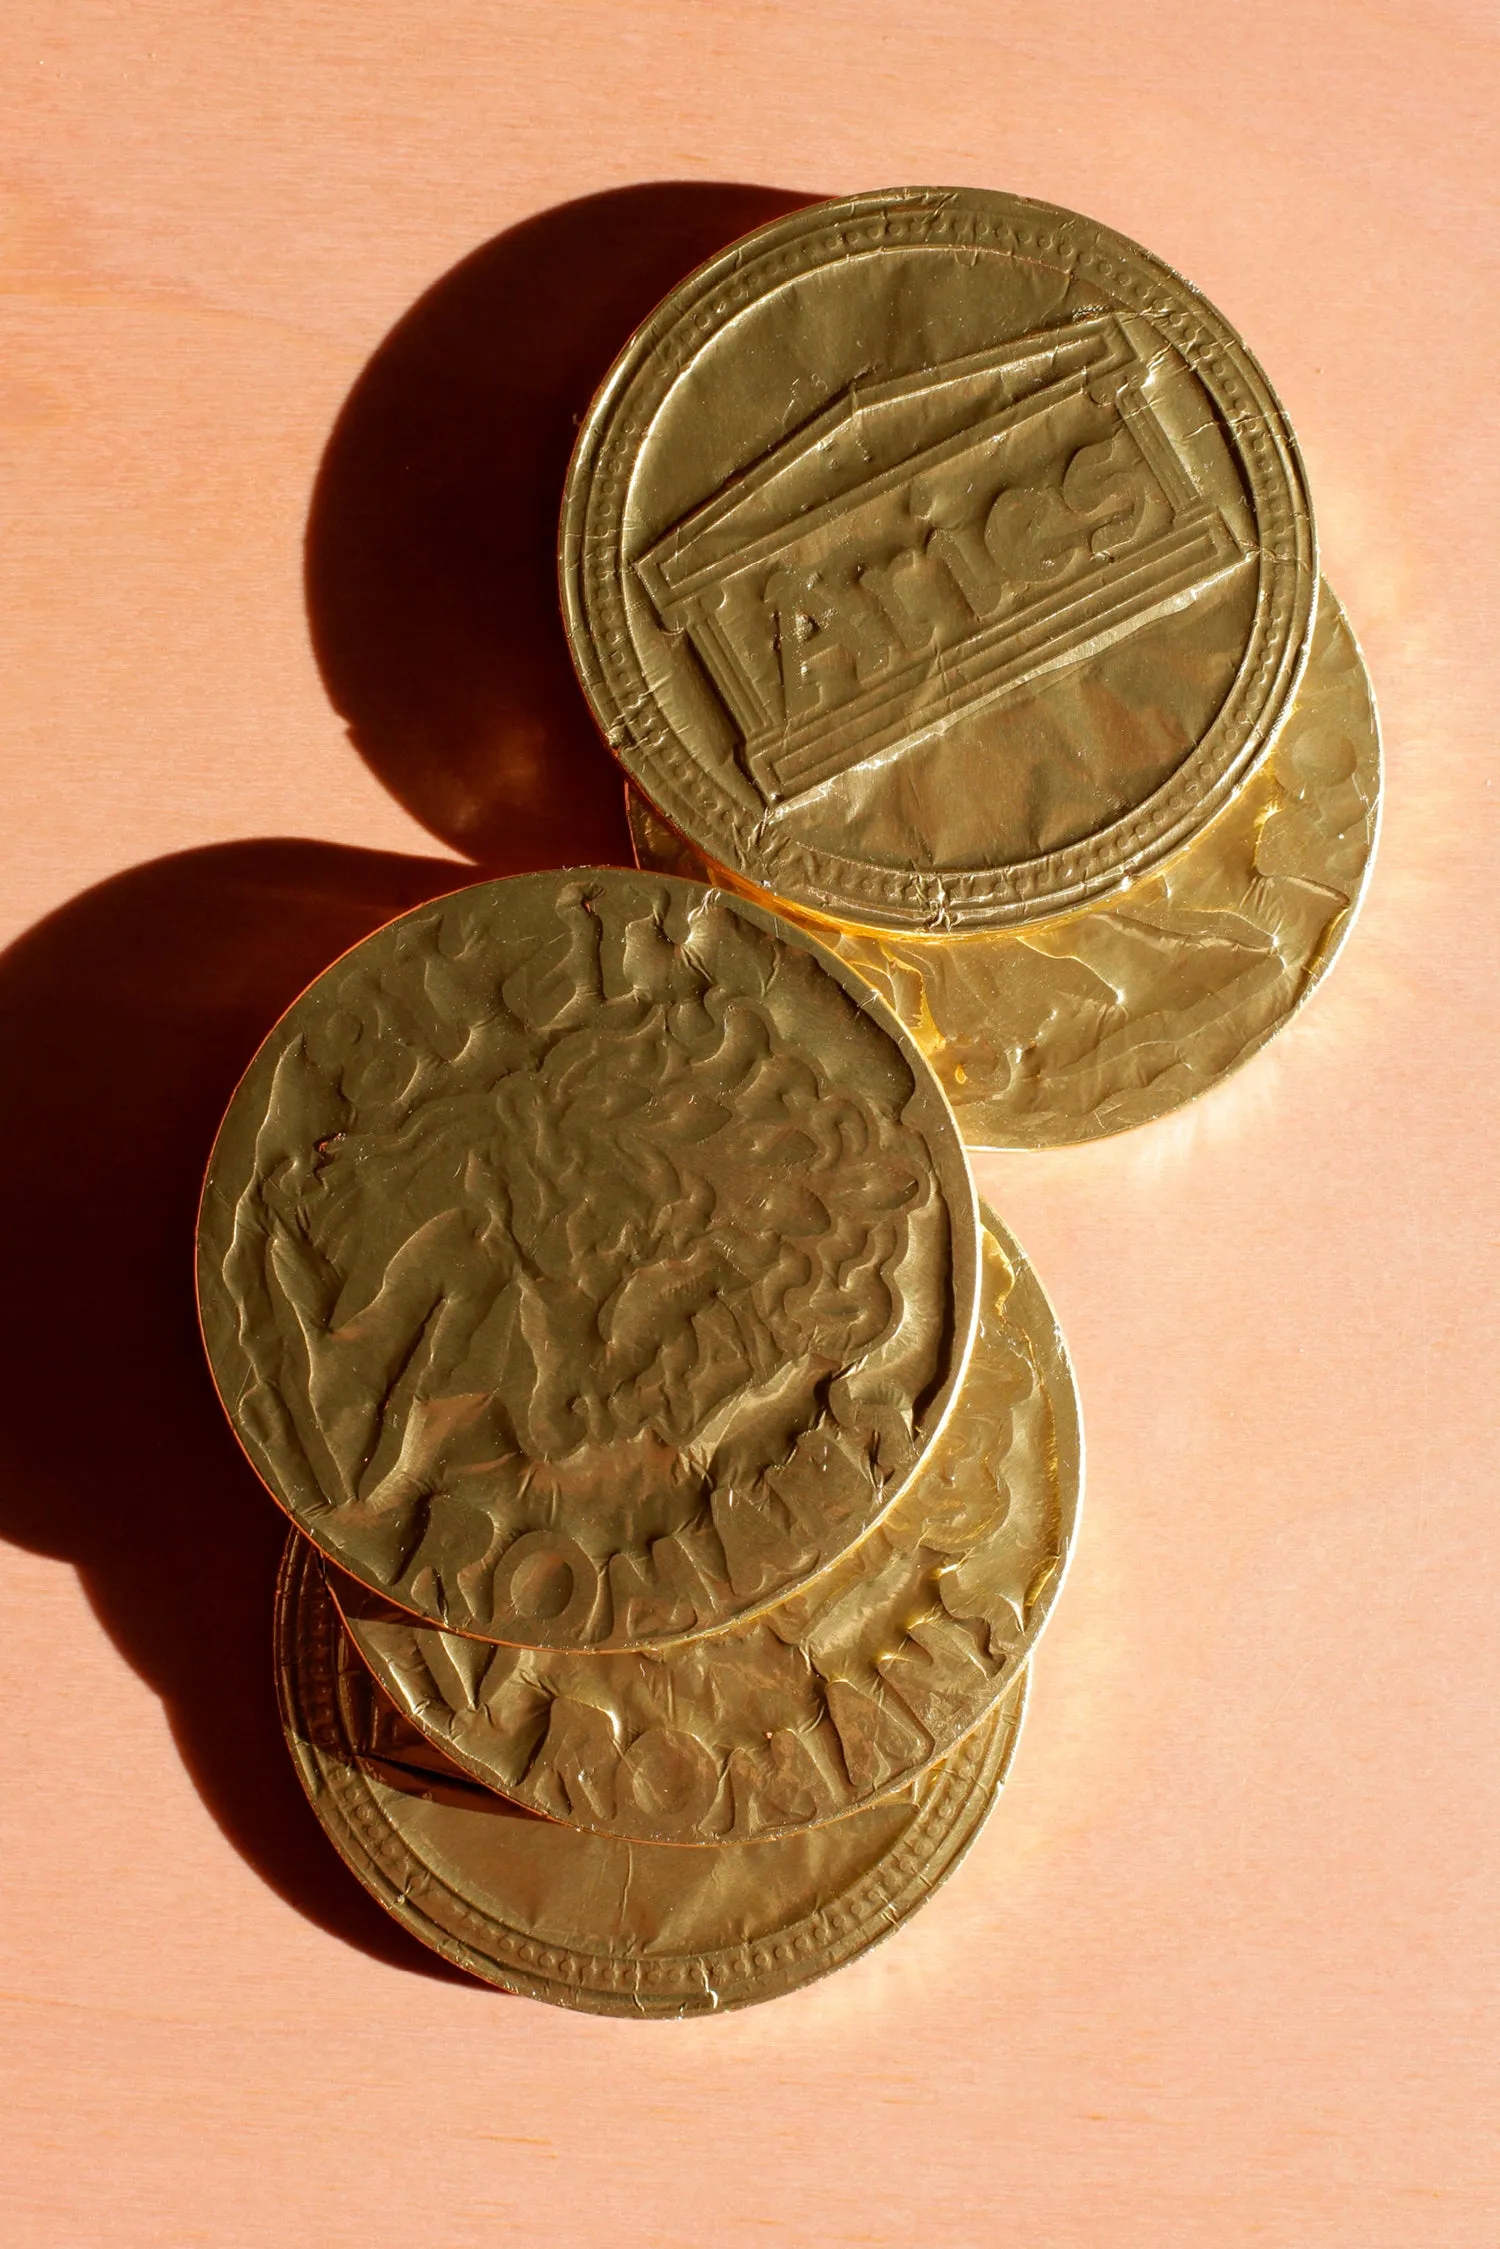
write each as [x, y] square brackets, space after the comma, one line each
[614, 1227]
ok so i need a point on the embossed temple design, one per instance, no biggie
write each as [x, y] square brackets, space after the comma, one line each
[929, 546]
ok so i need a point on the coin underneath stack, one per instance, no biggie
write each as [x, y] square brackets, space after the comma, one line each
[682, 1461]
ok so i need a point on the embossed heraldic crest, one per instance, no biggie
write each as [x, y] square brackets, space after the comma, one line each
[997, 578]
[588, 1259]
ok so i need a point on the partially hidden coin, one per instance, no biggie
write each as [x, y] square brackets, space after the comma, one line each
[831, 1699]
[937, 560]
[588, 1259]
[590, 1921]
[1118, 1014]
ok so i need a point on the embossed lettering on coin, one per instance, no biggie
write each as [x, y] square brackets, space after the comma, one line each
[590, 1921]
[587, 1260]
[937, 560]
[1031, 507]
[832, 1698]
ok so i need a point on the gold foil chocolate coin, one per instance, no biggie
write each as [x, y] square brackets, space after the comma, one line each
[1118, 1014]
[829, 1700]
[588, 1259]
[590, 1921]
[937, 560]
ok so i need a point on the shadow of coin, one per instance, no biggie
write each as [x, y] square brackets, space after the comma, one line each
[127, 1018]
[432, 535]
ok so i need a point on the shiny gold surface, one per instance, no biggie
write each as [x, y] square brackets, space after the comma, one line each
[589, 1921]
[937, 560]
[829, 1700]
[1120, 1013]
[587, 1259]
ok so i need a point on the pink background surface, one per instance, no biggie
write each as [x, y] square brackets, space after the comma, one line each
[1223, 1968]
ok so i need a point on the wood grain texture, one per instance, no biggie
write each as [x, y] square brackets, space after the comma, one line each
[1222, 1969]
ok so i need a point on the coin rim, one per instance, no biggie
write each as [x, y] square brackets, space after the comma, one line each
[1371, 756]
[591, 568]
[963, 1787]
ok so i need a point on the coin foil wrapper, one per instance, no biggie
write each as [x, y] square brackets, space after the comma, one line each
[937, 561]
[826, 1702]
[587, 1921]
[1118, 1014]
[588, 1259]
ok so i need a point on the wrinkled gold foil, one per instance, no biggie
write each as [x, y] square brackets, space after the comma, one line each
[588, 1921]
[1118, 1014]
[831, 1699]
[588, 1260]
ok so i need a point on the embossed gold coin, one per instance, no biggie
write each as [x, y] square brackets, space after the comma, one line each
[937, 560]
[1118, 1014]
[588, 1259]
[590, 1921]
[827, 1701]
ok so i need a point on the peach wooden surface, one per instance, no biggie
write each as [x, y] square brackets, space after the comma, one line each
[1223, 1969]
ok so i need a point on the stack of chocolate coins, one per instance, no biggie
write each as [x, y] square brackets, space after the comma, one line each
[682, 1460]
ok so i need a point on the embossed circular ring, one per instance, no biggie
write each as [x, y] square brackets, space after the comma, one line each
[937, 560]
[587, 1260]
